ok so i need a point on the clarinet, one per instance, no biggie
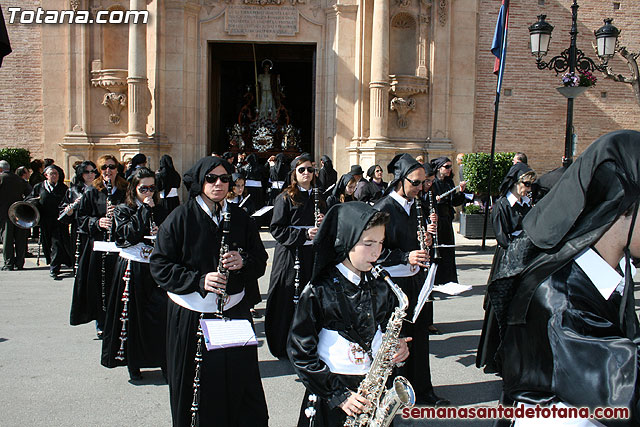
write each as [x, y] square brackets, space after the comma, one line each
[432, 210]
[422, 231]
[296, 262]
[124, 317]
[109, 188]
[224, 248]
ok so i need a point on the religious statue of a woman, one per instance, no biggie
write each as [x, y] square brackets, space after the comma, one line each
[268, 84]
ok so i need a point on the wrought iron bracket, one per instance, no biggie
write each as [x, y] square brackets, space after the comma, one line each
[560, 63]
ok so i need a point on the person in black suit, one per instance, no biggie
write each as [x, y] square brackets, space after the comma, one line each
[14, 239]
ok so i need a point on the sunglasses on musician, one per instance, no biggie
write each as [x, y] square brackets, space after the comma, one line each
[527, 183]
[147, 189]
[90, 171]
[309, 169]
[415, 183]
[212, 178]
[447, 166]
[110, 166]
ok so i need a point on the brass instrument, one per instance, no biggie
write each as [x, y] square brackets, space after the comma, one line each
[385, 403]
[24, 214]
[432, 210]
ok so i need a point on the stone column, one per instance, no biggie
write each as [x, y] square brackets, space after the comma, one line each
[137, 79]
[379, 85]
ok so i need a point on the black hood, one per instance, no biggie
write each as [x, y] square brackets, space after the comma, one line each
[194, 177]
[341, 229]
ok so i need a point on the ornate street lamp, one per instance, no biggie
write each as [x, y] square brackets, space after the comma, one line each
[571, 59]
[607, 40]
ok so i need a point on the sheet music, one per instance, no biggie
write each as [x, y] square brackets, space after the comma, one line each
[220, 333]
[426, 290]
[262, 211]
[102, 246]
[452, 288]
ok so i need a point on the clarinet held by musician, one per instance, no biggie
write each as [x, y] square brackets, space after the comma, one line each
[189, 274]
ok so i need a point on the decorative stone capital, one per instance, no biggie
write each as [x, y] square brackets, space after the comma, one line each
[115, 102]
[442, 11]
[403, 106]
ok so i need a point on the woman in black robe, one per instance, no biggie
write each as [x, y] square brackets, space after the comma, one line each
[327, 176]
[185, 262]
[239, 195]
[168, 183]
[146, 315]
[293, 227]
[343, 191]
[55, 235]
[563, 292]
[85, 174]
[372, 189]
[137, 161]
[342, 308]
[90, 294]
[405, 261]
[447, 270]
[507, 215]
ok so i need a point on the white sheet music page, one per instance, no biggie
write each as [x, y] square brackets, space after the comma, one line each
[427, 287]
[220, 333]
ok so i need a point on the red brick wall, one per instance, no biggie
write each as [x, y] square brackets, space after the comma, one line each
[21, 121]
[533, 119]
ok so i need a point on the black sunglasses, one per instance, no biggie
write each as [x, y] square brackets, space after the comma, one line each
[147, 189]
[527, 183]
[447, 166]
[415, 183]
[91, 171]
[309, 169]
[212, 178]
[110, 166]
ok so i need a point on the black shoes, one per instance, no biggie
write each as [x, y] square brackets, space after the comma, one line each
[434, 331]
[7, 267]
[135, 374]
[430, 399]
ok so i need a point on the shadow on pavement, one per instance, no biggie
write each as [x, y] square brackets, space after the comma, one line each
[275, 368]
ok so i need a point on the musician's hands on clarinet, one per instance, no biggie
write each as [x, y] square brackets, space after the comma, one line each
[355, 404]
[311, 233]
[402, 351]
[215, 282]
[232, 261]
[149, 201]
[419, 257]
[105, 223]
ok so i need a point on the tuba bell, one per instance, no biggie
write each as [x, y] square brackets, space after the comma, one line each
[24, 214]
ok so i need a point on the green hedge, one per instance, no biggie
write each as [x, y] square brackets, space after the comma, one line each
[476, 171]
[16, 157]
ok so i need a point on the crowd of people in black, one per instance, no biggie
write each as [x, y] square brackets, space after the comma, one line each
[151, 272]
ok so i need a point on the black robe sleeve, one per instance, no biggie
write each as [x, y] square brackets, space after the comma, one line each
[501, 223]
[303, 350]
[168, 267]
[131, 225]
[280, 224]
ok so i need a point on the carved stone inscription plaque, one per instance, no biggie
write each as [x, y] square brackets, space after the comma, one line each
[262, 22]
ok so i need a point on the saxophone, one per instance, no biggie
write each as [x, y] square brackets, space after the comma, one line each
[385, 403]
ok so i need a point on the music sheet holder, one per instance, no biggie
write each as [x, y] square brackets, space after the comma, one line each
[224, 333]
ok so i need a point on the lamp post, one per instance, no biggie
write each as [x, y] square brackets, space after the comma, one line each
[571, 59]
